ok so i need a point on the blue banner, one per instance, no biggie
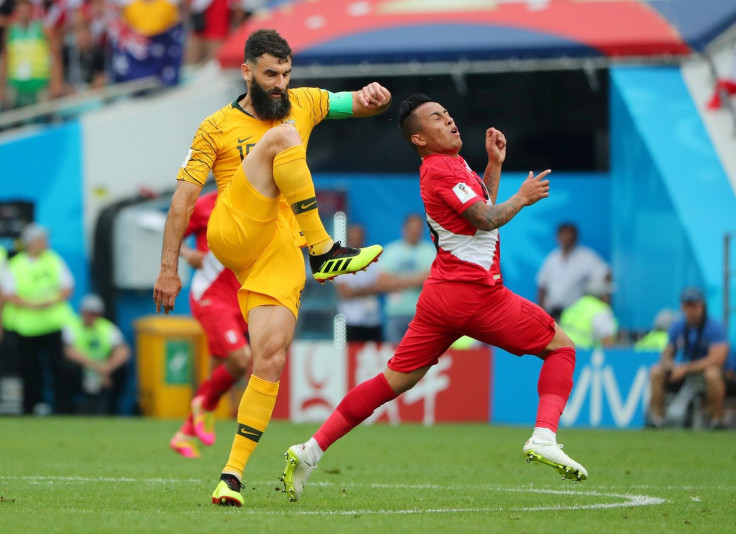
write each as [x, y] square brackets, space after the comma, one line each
[135, 56]
[611, 389]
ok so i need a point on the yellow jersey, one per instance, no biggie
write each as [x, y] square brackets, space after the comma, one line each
[224, 139]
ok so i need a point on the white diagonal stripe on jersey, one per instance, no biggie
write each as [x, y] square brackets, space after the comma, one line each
[478, 248]
[204, 278]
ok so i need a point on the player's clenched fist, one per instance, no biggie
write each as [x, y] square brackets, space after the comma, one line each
[495, 146]
[374, 95]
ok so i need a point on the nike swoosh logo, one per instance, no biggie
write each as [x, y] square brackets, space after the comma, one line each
[307, 206]
[241, 141]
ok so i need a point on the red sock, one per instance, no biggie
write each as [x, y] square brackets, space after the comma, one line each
[356, 407]
[554, 386]
[215, 386]
[188, 426]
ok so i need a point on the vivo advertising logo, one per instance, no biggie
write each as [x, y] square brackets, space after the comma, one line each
[611, 389]
[597, 383]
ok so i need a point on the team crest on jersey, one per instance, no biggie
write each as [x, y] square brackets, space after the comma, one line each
[463, 192]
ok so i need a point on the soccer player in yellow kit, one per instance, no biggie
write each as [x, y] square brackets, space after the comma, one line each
[255, 147]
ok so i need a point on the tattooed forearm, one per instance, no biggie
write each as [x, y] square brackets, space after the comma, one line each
[489, 217]
[491, 179]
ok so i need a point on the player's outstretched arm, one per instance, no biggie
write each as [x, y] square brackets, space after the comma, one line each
[168, 284]
[371, 100]
[491, 216]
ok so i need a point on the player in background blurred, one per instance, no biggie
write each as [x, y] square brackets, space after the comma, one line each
[213, 300]
[464, 295]
[256, 149]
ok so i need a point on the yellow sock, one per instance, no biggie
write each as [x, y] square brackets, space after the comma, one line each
[292, 176]
[254, 413]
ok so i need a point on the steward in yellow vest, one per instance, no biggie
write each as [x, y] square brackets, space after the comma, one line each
[38, 284]
[97, 345]
[589, 321]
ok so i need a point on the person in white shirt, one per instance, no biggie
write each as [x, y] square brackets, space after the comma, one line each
[410, 259]
[566, 272]
[358, 295]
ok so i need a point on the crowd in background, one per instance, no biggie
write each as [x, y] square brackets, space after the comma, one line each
[50, 49]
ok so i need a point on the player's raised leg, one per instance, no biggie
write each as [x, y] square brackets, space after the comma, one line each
[278, 164]
[554, 387]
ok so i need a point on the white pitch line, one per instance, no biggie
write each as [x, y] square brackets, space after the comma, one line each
[627, 499]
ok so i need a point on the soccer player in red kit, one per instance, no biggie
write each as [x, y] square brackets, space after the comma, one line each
[464, 295]
[213, 300]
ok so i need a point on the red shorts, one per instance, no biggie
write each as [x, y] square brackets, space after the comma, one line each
[223, 326]
[491, 314]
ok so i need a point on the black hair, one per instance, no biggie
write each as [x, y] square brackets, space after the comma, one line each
[266, 42]
[572, 227]
[407, 119]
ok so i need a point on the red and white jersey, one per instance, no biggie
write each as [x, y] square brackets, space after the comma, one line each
[214, 283]
[198, 220]
[464, 253]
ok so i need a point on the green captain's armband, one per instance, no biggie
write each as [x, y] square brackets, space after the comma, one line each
[341, 105]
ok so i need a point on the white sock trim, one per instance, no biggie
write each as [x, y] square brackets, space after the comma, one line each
[545, 434]
[314, 451]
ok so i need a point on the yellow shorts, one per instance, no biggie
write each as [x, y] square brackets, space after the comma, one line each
[260, 246]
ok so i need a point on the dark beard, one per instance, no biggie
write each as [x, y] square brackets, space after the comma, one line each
[266, 108]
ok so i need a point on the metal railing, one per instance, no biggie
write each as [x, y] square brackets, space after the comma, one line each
[63, 108]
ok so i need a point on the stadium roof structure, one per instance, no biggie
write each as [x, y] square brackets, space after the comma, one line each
[330, 33]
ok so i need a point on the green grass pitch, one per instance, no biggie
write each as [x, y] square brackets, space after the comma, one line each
[75, 475]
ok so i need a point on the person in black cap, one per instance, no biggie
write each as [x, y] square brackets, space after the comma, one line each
[697, 345]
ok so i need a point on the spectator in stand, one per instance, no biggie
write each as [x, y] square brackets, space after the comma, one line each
[697, 346]
[6, 10]
[589, 321]
[25, 66]
[38, 284]
[410, 259]
[566, 271]
[211, 22]
[58, 19]
[84, 61]
[656, 339]
[358, 296]
[97, 346]
[99, 14]
[725, 87]
[148, 40]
